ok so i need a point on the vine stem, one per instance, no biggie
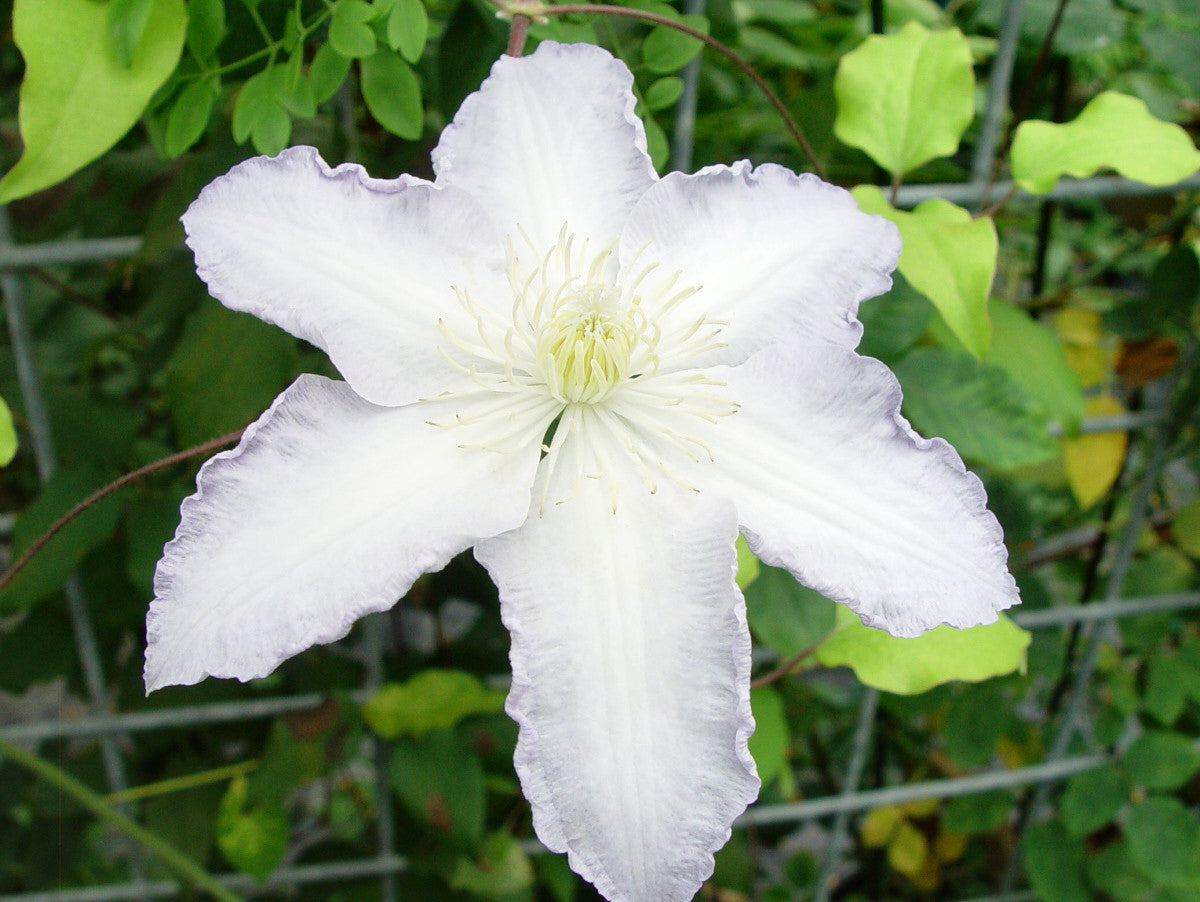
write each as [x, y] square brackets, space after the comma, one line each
[179, 784]
[516, 36]
[182, 865]
[786, 667]
[40, 542]
[537, 11]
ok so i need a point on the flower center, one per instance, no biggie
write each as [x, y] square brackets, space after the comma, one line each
[585, 349]
[602, 350]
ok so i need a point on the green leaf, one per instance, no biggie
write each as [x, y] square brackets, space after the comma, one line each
[656, 142]
[976, 407]
[226, 369]
[1159, 759]
[1177, 49]
[974, 723]
[284, 764]
[272, 132]
[127, 21]
[980, 812]
[748, 566]
[769, 741]
[1158, 572]
[440, 781]
[430, 700]
[261, 110]
[206, 26]
[263, 106]
[1166, 688]
[1033, 356]
[556, 877]
[767, 45]
[465, 53]
[253, 839]
[390, 88]
[350, 31]
[327, 72]
[189, 117]
[500, 870]
[893, 321]
[49, 569]
[786, 616]
[1170, 296]
[8, 435]
[948, 257]
[1112, 132]
[186, 818]
[1092, 799]
[781, 12]
[1189, 654]
[408, 28]
[293, 90]
[666, 50]
[76, 99]
[1086, 26]
[254, 100]
[150, 522]
[1114, 869]
[1164, 839]
[907, 97]
[663, 93]
[910, 666]
[1054, 864]
[1174, 285]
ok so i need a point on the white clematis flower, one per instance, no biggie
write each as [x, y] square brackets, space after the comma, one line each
[595, 377]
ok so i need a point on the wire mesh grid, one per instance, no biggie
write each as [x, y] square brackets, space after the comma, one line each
[1096, 620]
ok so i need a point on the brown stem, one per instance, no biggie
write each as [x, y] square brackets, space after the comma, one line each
[517, 34]
[67, 291]
[1000, 204]
[786, 667]
[107, 490]
[749, 71]
[1026, 95]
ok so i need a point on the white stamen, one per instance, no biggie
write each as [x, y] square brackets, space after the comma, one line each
[601, 347]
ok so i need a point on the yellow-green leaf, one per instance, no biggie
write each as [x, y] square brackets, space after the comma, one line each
[879, 825]
[1093, 461]
[1185, 528]
[1033, 355]
[908, 850]
[907, 97]
[77, 100]
[429, 700]
[747, 564]
[948, 257]
[769, 741]
[911, 666]
[8, 447]
[1112, 132]
[501, 870]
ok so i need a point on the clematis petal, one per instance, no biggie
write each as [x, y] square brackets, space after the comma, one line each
[774, 254]
[551, 139]
[327, 510]
[363, 268]
[631, 662]
[831, 483]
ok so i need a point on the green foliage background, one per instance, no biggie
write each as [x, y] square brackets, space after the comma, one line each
[1003, 321]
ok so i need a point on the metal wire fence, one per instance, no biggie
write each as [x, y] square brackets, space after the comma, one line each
[1096, 620]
